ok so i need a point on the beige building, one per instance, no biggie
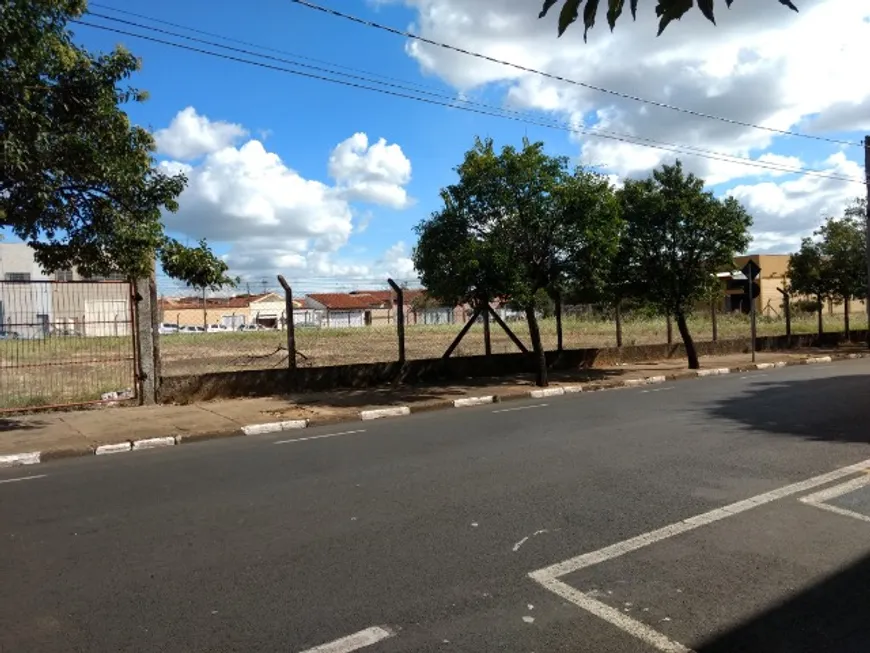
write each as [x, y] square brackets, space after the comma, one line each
[267, 310]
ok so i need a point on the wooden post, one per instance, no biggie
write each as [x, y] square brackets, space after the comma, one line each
[846, 325]
[291, 330]
[670, 327]
[487, 336]
[400, 317]
[559, 341]
[204, 311]
[713, 321]
[618, 310]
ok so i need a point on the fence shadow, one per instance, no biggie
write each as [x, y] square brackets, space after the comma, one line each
[833, 409]
[13, 424]
[832, 616]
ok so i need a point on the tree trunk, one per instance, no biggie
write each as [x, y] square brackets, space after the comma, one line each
[846, 308]
[204, 311]
[821, 318]
[713, 319]
[619, 323]
[538, 353]
[691, 352]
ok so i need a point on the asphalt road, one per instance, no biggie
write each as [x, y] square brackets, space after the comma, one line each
[420, 533]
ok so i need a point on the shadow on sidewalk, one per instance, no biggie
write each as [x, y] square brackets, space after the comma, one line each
[15, 424]
[832, 615]
[834, 409]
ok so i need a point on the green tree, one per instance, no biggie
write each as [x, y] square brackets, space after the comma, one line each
[843, 245]
[809, 275]
[77, 179]
[517, 223]
[666, 10]
[676, 236]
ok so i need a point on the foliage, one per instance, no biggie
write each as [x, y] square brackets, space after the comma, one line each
[77, 180]
[198, 266]
[666, 10]
[808, 273]
[676, 236]
[517, 223]
[844, 250]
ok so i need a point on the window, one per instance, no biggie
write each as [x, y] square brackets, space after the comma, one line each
[18, 277]
[63, 275]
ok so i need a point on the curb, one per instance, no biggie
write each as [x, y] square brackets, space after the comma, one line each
[36, 457]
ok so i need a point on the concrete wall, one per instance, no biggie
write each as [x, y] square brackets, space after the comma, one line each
[187, 389]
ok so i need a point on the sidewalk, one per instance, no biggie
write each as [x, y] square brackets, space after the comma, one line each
[45, 436]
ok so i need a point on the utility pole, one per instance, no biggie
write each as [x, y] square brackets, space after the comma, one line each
[867, 228]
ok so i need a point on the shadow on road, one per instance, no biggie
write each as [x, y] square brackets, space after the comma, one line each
[835, 409]
[831, 616]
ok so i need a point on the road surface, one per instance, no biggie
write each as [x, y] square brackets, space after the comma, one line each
[720, 514]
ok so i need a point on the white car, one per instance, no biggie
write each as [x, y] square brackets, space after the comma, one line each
[167, 328]
[191, 329]
[217, 328]
[250, 327]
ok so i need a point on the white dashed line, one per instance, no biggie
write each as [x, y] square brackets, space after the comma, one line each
[510, 410]
[319, 437]
[354, 642]
[23, 478]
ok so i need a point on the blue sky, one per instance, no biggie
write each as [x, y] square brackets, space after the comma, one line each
[740, 69]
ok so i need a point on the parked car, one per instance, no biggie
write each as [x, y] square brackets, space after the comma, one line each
[217, 328]
[167, 328]
[250, 327]
[191, 329]
[9, 335]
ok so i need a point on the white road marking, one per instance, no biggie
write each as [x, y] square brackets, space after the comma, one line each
[319, 437]
[120, 447]
[548, 576]
[528, 537]
[658, 390]
[23, 478]
[354, 642]
[510, 410]
[153, 443]
[819, 499]
[464, 402]
[547, 392]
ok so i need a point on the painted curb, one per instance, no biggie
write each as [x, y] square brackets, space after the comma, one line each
[120, 447]
[153, 443]
[35, 457]
[379, 413]
[274, 427]
[16, 459]
[473, 401]
[547, 392]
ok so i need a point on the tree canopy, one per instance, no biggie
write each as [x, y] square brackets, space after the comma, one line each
[77, 180]
[666, 10]
[676, 236]
[518, 222]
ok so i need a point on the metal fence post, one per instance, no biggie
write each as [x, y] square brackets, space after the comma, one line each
[291, 330]
[670, 326]
[487, 334]
[559, 336]
[400, 317]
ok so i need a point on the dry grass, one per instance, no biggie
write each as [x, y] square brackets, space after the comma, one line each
[69, 370]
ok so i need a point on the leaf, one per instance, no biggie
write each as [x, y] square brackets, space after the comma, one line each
[614, 11]
[568, 15]
[589, 16]
[548, 4]
[670, 10]
[706, 7]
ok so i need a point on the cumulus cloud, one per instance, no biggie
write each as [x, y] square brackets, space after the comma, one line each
[376, 173]
[396, 263]
[272, 217]
[191, 135]
[754, 67]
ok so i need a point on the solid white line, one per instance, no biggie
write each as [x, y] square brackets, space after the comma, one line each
[613, 616]
[353, 642]
[818, 499]
[548, 576]
[23, 478]
[547, 392]
[658, 389]
[510, 410]
[319, 437]
[640, 541]
[16, 459]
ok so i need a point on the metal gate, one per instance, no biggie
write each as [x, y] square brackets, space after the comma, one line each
[65, 343]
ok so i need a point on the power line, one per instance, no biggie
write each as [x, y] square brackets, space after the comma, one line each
[498, 113]
[593, 87]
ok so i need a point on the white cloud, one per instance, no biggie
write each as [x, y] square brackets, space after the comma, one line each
[273, 218]
[191, 135]
[762, 64]
[397, 264]
[375, 173]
